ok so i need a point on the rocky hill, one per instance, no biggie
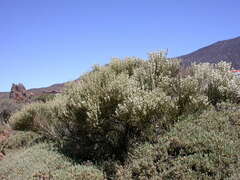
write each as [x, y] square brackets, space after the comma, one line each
[227, 50]
[53, 89]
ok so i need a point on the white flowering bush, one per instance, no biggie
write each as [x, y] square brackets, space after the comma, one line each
[147, 110]
[188, 97]
[157, 72]
[217, 82]
[113, 106]
[127, 65]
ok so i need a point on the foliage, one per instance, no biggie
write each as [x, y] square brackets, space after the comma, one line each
[19, 139]
[206, 147]
[44, 97]
[146, 119]
[217, 82]
[7, 108]
[30, 116]
[41, 161]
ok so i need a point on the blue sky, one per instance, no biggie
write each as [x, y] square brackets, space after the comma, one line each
[43, 42]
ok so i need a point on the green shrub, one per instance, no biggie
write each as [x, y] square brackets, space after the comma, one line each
[126, 66]
[18, 140]
[7, 108]
[90, 115]
[44, 97]
[127, 102]
[42, 161]
[157, 72]
[31, 117]
[144, 120]
[108, 108]
[217, 82]
[145, 111]
[196, 148]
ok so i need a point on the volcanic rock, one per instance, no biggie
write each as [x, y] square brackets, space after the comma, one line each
[19, 93]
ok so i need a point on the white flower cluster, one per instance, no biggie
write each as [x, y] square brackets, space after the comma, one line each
[217, 81]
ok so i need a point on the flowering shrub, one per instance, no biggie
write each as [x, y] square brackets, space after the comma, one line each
[128, 101]
[217, 82]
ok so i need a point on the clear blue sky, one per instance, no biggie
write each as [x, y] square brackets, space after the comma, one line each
[43, 42]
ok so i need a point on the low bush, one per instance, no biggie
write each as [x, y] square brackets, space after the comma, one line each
[205, 147]
[19, 139]
[79, 172]
[7, 108]
[31, 116]
[42, 161]
[44, 98]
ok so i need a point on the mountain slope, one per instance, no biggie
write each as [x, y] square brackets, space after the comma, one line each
[227, 50]
[51, 89]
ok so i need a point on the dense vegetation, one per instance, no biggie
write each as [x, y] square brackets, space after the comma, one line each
[136, 119]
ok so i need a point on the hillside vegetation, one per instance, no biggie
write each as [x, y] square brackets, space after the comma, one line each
[134, 119]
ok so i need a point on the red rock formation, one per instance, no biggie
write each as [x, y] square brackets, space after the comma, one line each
[19, 93]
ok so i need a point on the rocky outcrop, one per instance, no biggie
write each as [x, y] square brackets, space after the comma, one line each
[19, 93]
